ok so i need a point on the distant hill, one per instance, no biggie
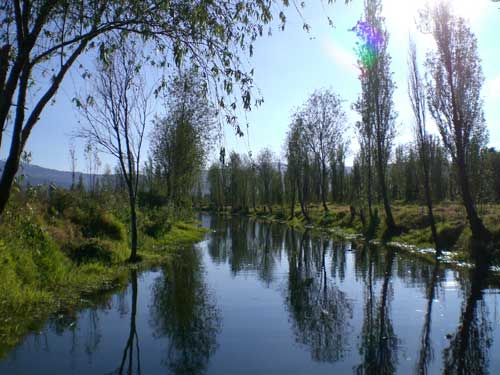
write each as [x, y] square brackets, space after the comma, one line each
[36, 175]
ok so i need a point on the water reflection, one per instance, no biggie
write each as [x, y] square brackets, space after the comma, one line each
[127, 363]
[426, 353]
[470, 344]
[247, 246]
[320, 311]
[184, 311]
[379, 344]
[290, 302]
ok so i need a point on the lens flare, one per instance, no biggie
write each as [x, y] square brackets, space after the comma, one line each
[370, 43]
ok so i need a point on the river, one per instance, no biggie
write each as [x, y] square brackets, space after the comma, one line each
[256, 298]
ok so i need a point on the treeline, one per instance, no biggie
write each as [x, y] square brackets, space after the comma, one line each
[245, 183]
[454, 166]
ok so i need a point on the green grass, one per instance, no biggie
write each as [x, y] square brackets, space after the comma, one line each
[51, 259]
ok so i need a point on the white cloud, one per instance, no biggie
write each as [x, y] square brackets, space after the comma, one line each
[340, 55]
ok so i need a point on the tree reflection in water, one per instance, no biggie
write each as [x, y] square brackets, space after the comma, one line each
[245, 245]
[426, 354]
[468, 349]
[379, 344]
[127, 363]
[320, 311]
[185, 312]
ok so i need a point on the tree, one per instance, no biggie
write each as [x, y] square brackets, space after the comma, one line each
[93, 165]
[365, 138]
[376, 103]
[217, 188]
[454, 97]
[493, 165]
[117, 115]
[182, 138]
[265, 168]
[324, 122]
[237, 183]
[338, 171]
[41, 40]
[416, 93]
[72, 159]
[298, 168]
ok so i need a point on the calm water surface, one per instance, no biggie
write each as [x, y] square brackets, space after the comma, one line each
[257, 298]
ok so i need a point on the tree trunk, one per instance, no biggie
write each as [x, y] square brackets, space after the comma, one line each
[389, 219]
[133, 229]
[9, 173]
[324, 184]
[302, 203]
[428, 198]
[479, 231]
[332, 182]
[369, 190]
[292, 204]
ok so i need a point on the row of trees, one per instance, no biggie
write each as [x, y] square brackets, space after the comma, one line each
[427, 170]
[238, 182]
[315, 162]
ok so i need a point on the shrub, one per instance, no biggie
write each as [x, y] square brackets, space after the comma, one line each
[60, 200]
[92, 250]
[42, 250]
[155, 223]
[104, 225]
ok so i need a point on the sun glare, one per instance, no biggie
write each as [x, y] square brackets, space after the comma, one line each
[403, 13]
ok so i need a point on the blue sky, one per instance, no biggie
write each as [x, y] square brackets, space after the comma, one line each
[290, 65]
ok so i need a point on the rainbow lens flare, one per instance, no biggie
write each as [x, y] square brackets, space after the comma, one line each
[370, 44]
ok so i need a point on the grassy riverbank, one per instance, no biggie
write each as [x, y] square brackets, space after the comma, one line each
[56, 252]
[453, 230]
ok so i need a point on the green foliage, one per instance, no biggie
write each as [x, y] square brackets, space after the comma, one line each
[183, 138]
[327, 220]
[151, 199]
[61, 200]
[103, 224]
[92, 250]
[156, 222]
[48, 260]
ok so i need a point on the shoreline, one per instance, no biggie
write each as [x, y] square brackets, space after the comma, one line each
[452, 259]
